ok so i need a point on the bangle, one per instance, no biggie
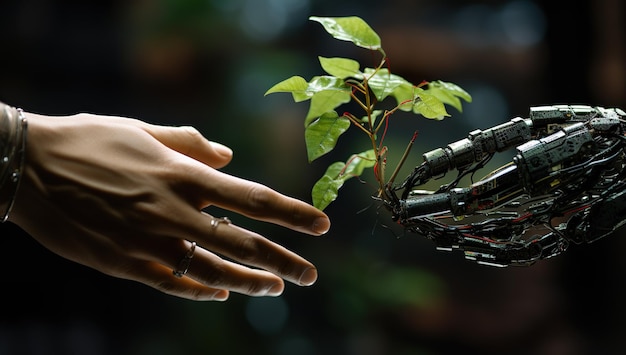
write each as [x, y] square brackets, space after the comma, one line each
[13, 132]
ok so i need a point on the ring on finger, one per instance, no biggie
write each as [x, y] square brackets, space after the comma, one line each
[216, 221]
[183, 264]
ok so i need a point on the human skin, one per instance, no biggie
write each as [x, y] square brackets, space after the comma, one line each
[127, 198]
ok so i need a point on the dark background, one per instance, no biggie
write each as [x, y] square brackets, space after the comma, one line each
[207, 64]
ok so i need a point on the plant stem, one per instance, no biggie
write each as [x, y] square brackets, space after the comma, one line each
[356, 122]
[402, 159]
[363, 106]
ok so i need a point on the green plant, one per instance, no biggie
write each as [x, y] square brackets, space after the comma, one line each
[345, 82]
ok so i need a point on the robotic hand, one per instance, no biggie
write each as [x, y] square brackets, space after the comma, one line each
[566, 184]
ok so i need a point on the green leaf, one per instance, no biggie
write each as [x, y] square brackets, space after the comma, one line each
[383, 83]
[323, 102]
[405, 95]
[326, 82]
[327, 187]
[341, 67]
[352, 29]
[358, 162]
[321, 135]
[429, 106]
[296, 85]
[449, 93]
[327, 93]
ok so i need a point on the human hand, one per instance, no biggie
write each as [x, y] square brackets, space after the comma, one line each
[127, 198]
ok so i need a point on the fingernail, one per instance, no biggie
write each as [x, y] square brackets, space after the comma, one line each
[275, 290]
[222, 149]
[321, 225]
[221, 295]
[308, 277]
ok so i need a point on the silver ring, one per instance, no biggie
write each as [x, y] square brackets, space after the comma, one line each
[183, 264]
[216, 221]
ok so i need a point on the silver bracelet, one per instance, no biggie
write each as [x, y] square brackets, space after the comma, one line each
[13, 133]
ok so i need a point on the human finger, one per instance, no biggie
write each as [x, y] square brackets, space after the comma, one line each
[189, 141]
[160, 277]
[207, 268]
[249, 248]
[259, 202]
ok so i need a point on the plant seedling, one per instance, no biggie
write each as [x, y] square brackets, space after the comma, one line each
[346, 81]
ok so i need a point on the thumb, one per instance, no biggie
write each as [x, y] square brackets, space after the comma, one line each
[189, 141]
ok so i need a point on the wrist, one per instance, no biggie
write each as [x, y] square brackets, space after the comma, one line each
[13, 128]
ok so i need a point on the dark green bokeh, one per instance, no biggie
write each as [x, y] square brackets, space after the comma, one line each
[207, 64]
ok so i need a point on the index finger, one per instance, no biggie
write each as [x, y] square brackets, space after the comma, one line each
[260, 202]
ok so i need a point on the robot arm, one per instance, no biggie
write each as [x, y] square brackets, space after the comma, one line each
[566, 183]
